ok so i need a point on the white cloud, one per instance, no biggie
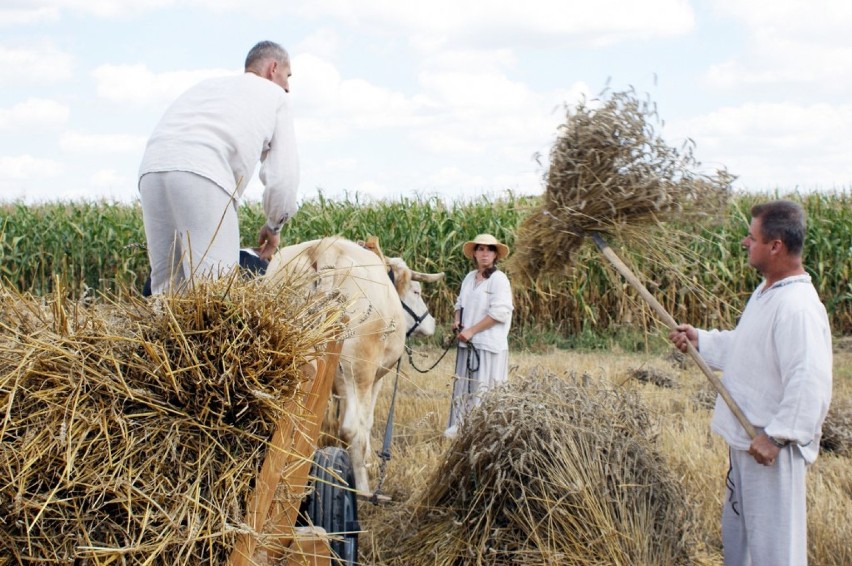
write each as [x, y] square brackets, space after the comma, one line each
[449, 60]
[448, 97]
[33, 180]
[27, 15]
[789, 43]
[490, 23]
[469, 121]
[775, 144]
[318, 129]
[323, 43]
[322, 96]
[491, 115]
[369, 106]
[374, 190]
[98, 144]
[315, 82]
[454, 113]
[827, 21]
[443, 140]
[138, 85]
[20, 167]
[526, 182]
[340, 164]
[453, 177]
[33, 114]
[480, 92]
[110, 179]
[455, 183]
[777, 61]
[39, 65]
[110, 9]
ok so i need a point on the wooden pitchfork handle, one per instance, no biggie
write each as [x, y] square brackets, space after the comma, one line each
[670, 321]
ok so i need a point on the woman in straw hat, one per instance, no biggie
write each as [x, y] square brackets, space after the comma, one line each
[483, 316]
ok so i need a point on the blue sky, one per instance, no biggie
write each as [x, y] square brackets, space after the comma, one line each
[451, 97]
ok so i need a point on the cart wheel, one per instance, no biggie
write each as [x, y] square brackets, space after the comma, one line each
[332, 504]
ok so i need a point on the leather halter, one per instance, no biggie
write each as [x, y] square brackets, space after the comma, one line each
[409, 310]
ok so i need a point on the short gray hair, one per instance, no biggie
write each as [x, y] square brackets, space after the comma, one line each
[266, 50]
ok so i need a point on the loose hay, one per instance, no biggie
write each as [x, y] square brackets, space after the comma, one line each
[654, 376]
[132, 432]
[547, 471]
[837, 428]
[610, 172]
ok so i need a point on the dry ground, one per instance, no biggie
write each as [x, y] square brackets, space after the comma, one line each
[698, 457]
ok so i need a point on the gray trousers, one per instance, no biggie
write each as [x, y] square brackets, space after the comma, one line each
[764, 518]
[191, 227]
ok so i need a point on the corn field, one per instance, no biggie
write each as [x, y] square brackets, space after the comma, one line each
[93, 246]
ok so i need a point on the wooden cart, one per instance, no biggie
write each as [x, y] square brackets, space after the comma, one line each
[330, 511]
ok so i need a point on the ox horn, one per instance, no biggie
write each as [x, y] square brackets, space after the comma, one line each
[426, 277]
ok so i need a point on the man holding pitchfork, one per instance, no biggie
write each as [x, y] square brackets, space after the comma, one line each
[777, 365]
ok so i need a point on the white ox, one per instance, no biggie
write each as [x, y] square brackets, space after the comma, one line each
[381, 314]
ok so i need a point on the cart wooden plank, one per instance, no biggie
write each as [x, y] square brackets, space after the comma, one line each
[288, 459]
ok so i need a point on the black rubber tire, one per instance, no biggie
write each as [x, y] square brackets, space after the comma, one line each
[332, 504]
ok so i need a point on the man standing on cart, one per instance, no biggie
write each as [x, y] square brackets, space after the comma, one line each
[199, 160]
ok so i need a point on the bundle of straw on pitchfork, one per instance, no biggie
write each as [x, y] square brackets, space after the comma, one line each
[611, 174]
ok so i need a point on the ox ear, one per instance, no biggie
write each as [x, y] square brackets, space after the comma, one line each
[426, 277]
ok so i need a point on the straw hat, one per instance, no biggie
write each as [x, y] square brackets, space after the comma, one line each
[488, 240]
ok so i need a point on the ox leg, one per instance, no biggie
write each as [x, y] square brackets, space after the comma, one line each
[356, 418]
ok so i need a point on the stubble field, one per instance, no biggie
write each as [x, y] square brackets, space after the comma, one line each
[677, 395]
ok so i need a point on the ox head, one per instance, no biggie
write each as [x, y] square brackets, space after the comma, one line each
[418, 321]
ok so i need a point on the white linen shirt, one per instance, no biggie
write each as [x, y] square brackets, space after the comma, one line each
[492, 297]
[220, 129]
[776, 365]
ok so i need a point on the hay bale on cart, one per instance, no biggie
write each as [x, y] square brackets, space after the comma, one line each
[156, 431]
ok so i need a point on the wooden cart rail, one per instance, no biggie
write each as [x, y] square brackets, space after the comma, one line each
[288, 459]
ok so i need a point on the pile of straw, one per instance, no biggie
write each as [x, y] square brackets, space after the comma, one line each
[654, 376]
[610, 172]
[132, 431]
[837, 428]
[548, 471]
